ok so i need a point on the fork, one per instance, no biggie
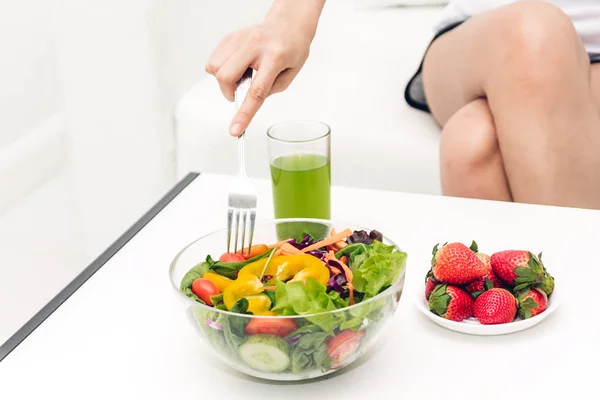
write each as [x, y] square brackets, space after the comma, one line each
[242, 193]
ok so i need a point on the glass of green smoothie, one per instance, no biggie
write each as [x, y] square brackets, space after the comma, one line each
[300, 159]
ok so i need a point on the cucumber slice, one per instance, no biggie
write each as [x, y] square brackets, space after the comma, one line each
[265, 353]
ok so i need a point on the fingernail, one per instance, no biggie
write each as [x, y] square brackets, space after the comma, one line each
[236, 129]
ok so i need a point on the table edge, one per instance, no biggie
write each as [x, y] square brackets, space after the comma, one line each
[7, 347]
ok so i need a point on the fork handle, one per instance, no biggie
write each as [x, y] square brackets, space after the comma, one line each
[241, 91]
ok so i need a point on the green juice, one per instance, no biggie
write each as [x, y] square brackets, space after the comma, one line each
[301, 189]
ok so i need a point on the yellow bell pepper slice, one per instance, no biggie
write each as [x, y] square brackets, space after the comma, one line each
[258, 304]
[318, 272]
[220, 281]
[242, 287]
[256, 267]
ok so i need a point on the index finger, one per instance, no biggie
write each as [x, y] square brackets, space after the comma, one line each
[258, 92]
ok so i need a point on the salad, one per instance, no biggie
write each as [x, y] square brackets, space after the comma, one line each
[312, 279]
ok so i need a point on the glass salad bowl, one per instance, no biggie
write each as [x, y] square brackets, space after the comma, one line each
[310, 325]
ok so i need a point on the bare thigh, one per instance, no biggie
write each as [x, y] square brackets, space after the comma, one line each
[461, 65]
[595, 82]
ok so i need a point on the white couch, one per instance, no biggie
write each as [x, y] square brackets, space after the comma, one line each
[361, 59]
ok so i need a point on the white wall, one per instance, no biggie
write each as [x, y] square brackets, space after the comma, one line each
[29, 89]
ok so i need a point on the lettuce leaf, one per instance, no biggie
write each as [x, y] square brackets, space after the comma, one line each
[298, 298]
[378, 267]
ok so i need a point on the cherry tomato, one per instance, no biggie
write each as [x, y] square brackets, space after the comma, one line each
[270, 326]
[204, 288]
[231, 258]
[254, 251]
[341, 347]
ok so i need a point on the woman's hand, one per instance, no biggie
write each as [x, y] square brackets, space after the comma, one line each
[276, 49]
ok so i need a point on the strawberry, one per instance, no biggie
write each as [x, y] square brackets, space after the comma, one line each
[451, 303]
[531, 302]
[486, 282]
[495, 306]
[456, 264]
[522, 269]
[430, 284]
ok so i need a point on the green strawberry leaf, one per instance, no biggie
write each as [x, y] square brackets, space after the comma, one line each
[476, 294]
[524, 313]
[474, 247]
[488, 284]
[522, 293]
[525, 272]
[529, 303]
[435, 249]
[535, 264]
[521, 286]
[439, 300]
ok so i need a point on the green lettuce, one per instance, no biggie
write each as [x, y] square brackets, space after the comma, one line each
[298, 298]
[376, 268]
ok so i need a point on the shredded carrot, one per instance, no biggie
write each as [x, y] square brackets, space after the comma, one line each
[351, 290]
[331, 239]
[288, 248]
[341, 244]
[278, 252]
[344, 259]
[279, 244]
[269, 288]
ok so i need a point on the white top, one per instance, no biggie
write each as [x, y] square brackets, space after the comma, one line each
[125, 335]
[584, 13]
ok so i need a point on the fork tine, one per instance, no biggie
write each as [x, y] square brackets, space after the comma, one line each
[229, 227]
[244, 219]
[237, 229]
[251, 235]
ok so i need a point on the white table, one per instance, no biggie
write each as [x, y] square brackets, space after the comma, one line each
[123, 334]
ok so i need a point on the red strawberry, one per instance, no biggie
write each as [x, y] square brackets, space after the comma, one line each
[521, 269]
[532, 302]
[430, 284]
[456, 264]
[495, 306]
[479, 285]
[451, 303]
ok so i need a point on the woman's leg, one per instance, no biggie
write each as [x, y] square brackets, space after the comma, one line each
[469, 148]
[528, 62]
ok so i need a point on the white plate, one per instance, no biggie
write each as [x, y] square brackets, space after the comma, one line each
[471, 326]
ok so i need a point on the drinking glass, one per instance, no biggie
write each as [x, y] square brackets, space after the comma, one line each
[300, 160]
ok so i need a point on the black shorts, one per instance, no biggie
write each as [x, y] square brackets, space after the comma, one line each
[415, 94]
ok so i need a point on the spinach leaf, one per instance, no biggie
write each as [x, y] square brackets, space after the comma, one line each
[230, 270]
[352, 251]
[188, 292]
[310, 352]
[233, 330]
[378, 267]
[186, 282]
[241, 306]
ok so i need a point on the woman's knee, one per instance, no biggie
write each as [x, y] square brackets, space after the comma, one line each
[468, 139]
[536, 43]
